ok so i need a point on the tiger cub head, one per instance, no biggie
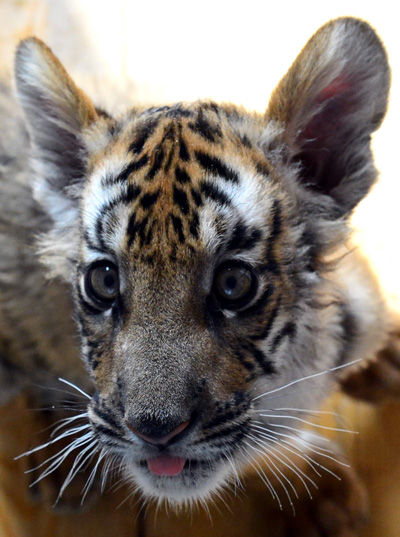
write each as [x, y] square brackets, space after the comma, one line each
[194, 239]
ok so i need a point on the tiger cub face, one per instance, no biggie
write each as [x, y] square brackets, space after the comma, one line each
[193, 237]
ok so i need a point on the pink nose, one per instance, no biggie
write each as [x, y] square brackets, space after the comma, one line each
[156, 440]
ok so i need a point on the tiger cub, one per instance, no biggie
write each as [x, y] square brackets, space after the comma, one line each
[199, 251]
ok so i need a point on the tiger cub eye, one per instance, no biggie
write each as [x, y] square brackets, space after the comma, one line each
[235, 284]
[102, 283]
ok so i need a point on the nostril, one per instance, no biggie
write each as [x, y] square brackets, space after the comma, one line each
[155, 434]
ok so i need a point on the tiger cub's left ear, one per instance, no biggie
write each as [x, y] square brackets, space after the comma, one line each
[56, 111]
[329, 102]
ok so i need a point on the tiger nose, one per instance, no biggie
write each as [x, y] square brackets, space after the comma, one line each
[157, 434]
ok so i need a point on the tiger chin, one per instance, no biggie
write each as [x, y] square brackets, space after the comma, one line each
[200, 250]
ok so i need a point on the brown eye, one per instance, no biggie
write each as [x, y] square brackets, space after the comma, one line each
[102, 283]
[235, 284]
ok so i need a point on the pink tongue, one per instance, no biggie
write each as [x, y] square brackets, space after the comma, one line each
[166, 465]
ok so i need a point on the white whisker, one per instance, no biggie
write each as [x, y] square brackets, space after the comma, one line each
[308, 377]
[260, 472]
[92, 475]
[61, 457]
[66, 421]
[74, 386]
[296, 418]
[290, 464]
[78, 465]
[266, 458]
[70, 432]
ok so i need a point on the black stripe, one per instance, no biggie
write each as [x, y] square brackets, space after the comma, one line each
[106, 417]
[99, 226]
[276, 221]
[350, 333]
[237, 237]
[196, 197]
[268, 327]
[222, 418]
[132, 193]
[230, 445]
[272, 265]
[244, 361]
[170, 157]
[148, 200]
[178, 227]
[213, 192]
[183, 150]
[211, 132]
[242, 238]
[148, 236]
[158, 160]
[181, 199]
[91, 359]
[136, 228]
[194, 225]
[226, 431]
[143, 134]
[289, 330]
[216, 166]
[181, 175]
[106, 431]
[266, 365]
[245, 140]
[132, 167]
[91, 244]
[210, 105]
[263, 169]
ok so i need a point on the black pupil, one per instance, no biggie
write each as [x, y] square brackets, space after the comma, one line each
[231, 283]
[109, 280]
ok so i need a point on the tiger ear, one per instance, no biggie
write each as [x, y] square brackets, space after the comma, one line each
[56, 112]
[329, 102]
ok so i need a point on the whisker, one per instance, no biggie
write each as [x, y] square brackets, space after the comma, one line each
[237, 480]
[296, 435]
[74, 386]
[296, 418]
[310, 461]
[92, 475]
[267, 459]
[308, 377]
[66, 421]
[298, 452]
[61, 457]
[78, 465]
[70, 432]
[260, 472]
[290, 464]
[54, 389]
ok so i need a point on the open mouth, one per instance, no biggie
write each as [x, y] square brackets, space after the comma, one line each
[168, 465]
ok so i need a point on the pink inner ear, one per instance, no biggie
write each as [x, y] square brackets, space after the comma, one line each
[338, 86]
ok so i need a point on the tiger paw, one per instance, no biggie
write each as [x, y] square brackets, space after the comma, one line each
[377, 380]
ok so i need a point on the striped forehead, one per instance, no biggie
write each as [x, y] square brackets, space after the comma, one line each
[176, 180]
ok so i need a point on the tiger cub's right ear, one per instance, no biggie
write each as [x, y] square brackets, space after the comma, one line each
[56, 111]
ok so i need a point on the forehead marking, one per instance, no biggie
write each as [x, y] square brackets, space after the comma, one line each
[182, 190]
